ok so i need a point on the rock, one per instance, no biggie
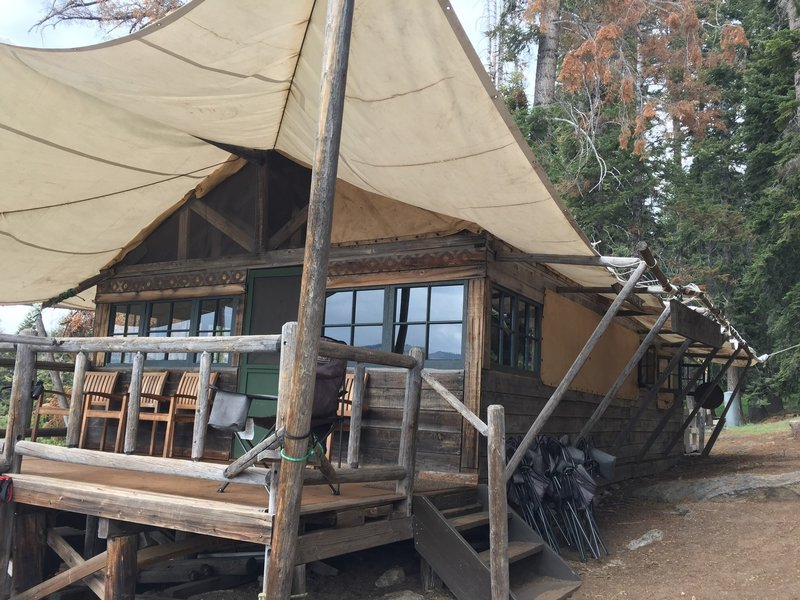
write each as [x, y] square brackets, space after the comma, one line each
[681, 511]
[654, 535]
[391, 577]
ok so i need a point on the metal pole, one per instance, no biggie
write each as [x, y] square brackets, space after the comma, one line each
[677, 403]
[721, 423]
[570, 375]
[317, 249]
[634, 360]
[652, 394]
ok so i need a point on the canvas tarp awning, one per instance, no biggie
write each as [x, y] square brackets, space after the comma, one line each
[98, 143]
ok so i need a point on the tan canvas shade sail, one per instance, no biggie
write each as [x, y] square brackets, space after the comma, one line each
[99, 143]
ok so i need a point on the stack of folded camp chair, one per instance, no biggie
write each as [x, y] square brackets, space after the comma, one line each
[553, 490]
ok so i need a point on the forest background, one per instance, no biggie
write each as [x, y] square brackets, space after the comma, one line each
[675, 122]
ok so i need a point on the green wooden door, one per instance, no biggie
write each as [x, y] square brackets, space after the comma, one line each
[273, 296]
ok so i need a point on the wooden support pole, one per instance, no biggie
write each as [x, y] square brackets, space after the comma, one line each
[634, 360]
[277, 585]
[76, 400]
[498, 503]
[573, 371]
[721, 423]
[29, 550]
[699, 403]
[134, 396]
[356, 414]
[203, 408]
[20, 406]
[676, 404]
[72, 559]
[651, 395]
[121, 571]
[408, 431]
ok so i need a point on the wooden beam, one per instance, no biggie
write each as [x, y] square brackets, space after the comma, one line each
[498, 503]
[455, 403]
[721, 423]
[72, 558]
[693, 325]
[572, 372]
[285, 233]
[29, 550]
[336, 46]
[320, 545]
[144, 557]
[205, 517]
[239, 233]
[121, 571]
[623, 375]
[408, 428]
[563, 259]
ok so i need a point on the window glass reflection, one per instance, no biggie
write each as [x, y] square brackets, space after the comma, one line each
[411, 304]
[447, 303]
[368, 336]
[369, 306]
[339, 308]
[445, 342]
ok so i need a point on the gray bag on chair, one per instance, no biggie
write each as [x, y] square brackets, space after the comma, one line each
[229, 411]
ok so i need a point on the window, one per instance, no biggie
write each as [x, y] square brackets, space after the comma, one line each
[397, 318]
[179, 318]
[648, 366]
[516, 331]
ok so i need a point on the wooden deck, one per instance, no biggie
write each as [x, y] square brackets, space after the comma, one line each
[360, 517]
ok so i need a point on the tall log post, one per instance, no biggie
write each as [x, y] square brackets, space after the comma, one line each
[76, 400]
[498, 503]
[356, 414]
[634, 360]
[134, 396]
[121, 570]
[338, 25]
[19, 415]
[408, 431]
[573, 371]
[29, 550]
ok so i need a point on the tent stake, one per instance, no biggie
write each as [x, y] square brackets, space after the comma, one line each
[278, 583]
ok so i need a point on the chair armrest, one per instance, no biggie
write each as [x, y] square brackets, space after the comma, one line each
[156, 397]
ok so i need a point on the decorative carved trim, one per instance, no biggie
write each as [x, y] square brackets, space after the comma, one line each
[454, 257]
[171, 281]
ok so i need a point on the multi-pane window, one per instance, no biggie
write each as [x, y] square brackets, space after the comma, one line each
[516, 331]
[397, 318]
[651, 368]
[179, 318]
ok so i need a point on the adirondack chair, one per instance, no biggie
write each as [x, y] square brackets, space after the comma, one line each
[183, 405]
[150, 403]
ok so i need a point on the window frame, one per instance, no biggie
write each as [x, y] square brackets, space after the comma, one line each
[144, 315]
[497, 355]
[389, 321]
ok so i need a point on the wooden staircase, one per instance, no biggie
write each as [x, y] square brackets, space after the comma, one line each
[451, 533]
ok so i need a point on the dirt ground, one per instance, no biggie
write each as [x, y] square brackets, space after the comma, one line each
[718, 539]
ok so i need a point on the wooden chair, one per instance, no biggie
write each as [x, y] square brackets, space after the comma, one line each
[100, 401]
[345, 410]
[183, 405]
[150, 403]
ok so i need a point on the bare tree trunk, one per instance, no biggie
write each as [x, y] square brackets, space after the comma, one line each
[734, 417]
[547, 54]
[790, 10]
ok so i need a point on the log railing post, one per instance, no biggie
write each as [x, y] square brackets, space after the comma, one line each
[573, 371]
[76, 400]
[134, 396]
[202, 412]
[55, 376]
[356, 414]
[498, 503]
[408, 431]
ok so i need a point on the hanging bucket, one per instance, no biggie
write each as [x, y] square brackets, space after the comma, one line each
[714, 399]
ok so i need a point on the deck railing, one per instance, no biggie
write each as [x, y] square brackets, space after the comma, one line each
[495, 432]
[20, 407]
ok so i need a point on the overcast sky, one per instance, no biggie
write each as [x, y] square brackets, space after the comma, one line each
[18, 16]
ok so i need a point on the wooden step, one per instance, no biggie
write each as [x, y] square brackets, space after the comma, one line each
[457, 511]
[470, 521]
[516, 551]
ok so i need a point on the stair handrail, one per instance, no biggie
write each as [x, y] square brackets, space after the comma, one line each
[495, 433]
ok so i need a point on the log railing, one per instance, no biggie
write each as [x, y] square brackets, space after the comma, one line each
[16, 447]
[495, 433]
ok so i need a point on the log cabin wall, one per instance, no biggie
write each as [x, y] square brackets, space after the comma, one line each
[523, 395]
